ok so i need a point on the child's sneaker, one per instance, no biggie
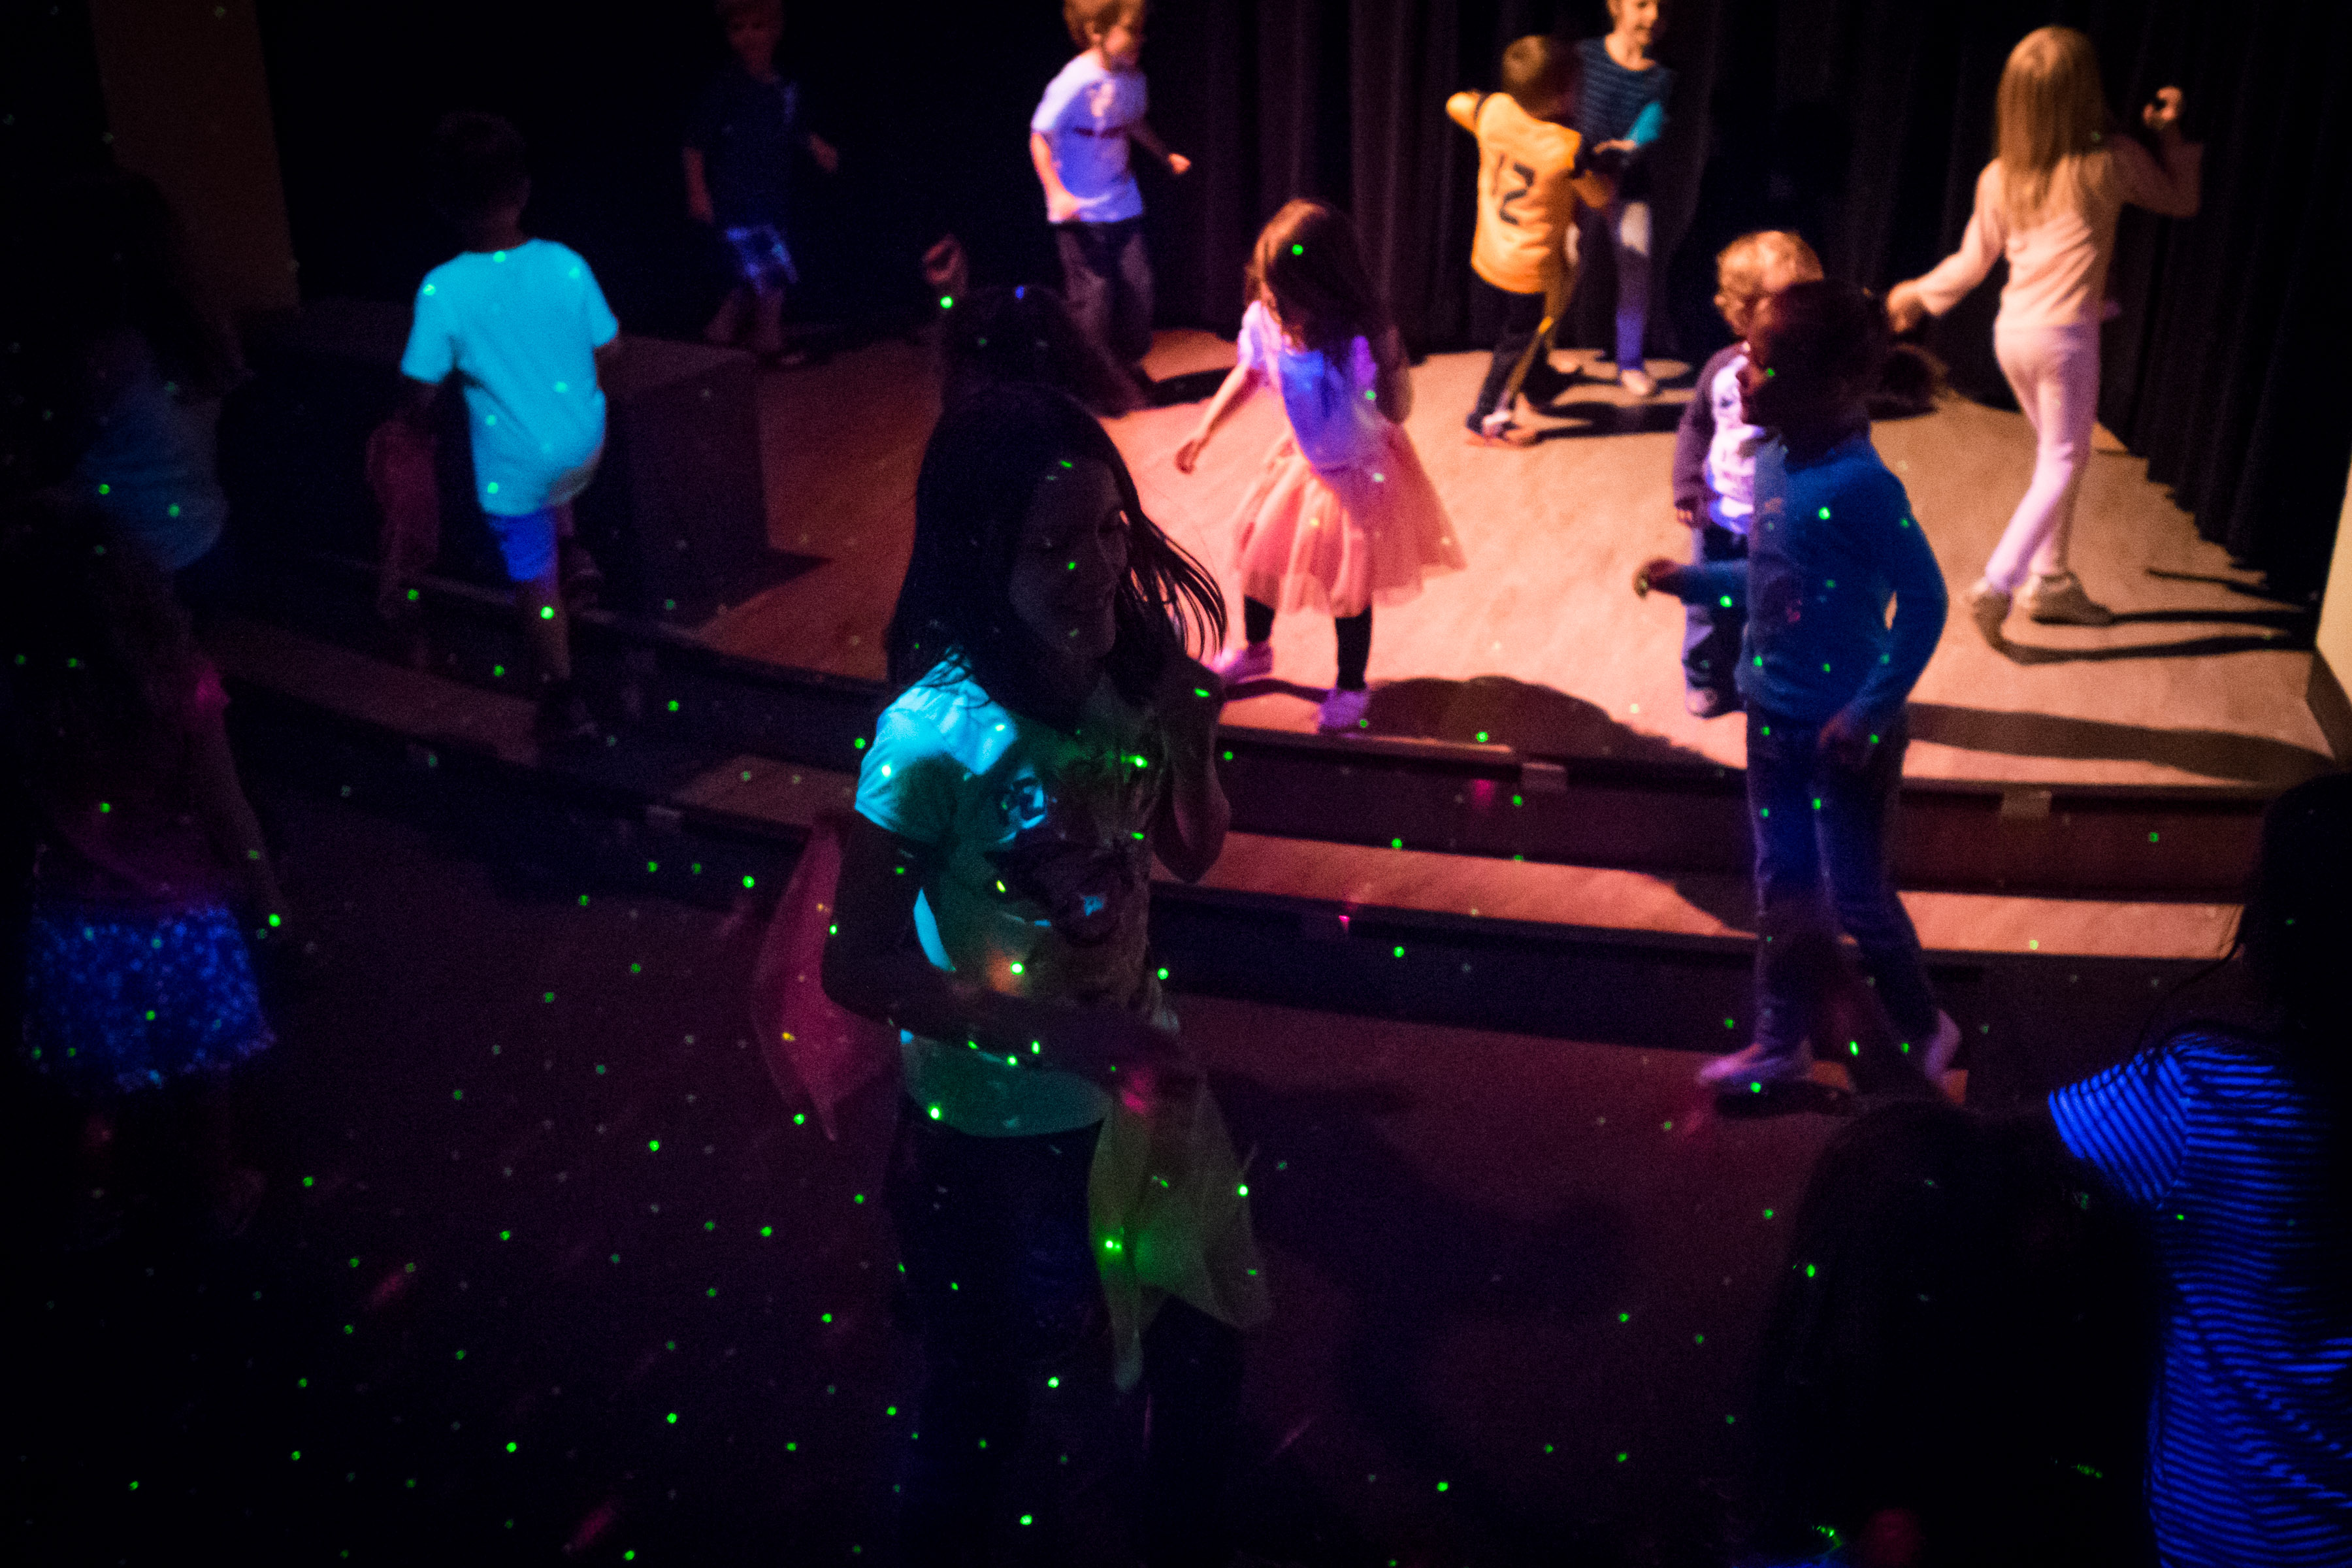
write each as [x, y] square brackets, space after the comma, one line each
[1707, 702]
[1753, 1070]
[1946, 1045]
[1342, 711]
[1247, 662]
[1988, 607]
[1638, 382]
[564, 722]
[2060, 601]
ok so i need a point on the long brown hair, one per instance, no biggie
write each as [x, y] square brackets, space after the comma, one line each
[986, 458]
[2050, 118]
[1310, 268]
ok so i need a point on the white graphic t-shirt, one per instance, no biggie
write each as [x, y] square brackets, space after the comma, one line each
[1731, 455]
[1042, 877]
[1085, 115]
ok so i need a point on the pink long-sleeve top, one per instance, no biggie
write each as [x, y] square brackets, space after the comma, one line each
[2058, 267]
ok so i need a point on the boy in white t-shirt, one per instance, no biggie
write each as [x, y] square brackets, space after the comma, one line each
[1078, 141]
[522, 326]
[1715, 459]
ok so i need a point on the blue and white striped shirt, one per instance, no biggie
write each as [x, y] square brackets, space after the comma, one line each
[2250, 1439]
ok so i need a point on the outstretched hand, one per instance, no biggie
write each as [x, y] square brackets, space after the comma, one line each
[1659, 571]
[1846, 741]
[1905, 308]
[1188, 698]
[2163, 113]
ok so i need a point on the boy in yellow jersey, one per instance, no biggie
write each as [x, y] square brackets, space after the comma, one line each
[1529, 187]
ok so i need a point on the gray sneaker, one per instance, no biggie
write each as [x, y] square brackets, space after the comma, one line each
[1989, 607]
[2060, 602]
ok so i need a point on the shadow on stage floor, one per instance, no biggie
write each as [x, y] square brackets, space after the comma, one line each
[2253, 759]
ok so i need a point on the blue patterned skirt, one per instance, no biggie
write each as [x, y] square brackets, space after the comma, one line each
[121, 1001]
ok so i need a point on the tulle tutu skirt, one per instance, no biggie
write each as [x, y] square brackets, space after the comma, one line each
[123, 1001]
[1337, 541]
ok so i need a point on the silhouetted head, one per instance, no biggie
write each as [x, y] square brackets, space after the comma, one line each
[480, 173]
[1007, 581]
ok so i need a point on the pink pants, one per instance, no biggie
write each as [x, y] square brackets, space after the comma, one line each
[2054, 370]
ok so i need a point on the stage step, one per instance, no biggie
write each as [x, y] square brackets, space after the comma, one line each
[1668, 819]
[1584, 952]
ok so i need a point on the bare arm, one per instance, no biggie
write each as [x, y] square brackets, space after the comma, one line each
[227, 818]
[2172, 182]
[1141, 131]
[1945, 285]
[870, 970]
[1189, 832]
[416, 400]
[1236, 385]
[1462, 110]
[1060, 205]
[697, 189]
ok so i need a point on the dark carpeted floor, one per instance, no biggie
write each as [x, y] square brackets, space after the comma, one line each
[548, 1267]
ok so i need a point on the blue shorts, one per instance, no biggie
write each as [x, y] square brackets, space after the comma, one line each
[761, 257]
[528, 541]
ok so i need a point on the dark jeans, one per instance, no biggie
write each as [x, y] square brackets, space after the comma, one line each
[993, 1235]
[1523, 314]
[1353, 634]
[1107, 278]
[1821, 845]
[1711, 630]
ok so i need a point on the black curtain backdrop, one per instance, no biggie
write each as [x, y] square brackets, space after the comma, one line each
[1862, 125]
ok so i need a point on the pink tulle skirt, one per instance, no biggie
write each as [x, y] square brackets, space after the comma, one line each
[1337, 541]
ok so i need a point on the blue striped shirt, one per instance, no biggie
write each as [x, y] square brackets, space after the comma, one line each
[1611, 97]
[2250, 1436]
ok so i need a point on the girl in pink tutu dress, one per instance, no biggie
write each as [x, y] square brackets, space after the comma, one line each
[1342, 516]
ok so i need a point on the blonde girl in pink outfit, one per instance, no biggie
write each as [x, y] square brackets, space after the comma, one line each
[1342, 516]
[2048, 203]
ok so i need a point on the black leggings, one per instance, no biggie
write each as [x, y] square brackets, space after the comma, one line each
[1354, 634]
[993, 1234]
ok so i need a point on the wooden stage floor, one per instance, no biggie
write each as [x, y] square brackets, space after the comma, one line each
[1540, 644]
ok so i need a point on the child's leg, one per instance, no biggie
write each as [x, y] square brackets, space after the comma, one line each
[993, 1235]
[1711, 632]
[1522, 315]
[1086, 281]
[1852, 826]
[768, 317]
[1780, 764]
[546, 628]
[1629, 238]
[1131, 312]
[1355, 637]
[1192, 1373]
[727, 324]
[2055, 373]
[528, 544]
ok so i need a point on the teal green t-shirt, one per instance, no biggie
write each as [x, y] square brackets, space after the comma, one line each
[1040, 883]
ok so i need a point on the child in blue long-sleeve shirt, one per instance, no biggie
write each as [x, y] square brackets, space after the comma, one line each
[1822, 674]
